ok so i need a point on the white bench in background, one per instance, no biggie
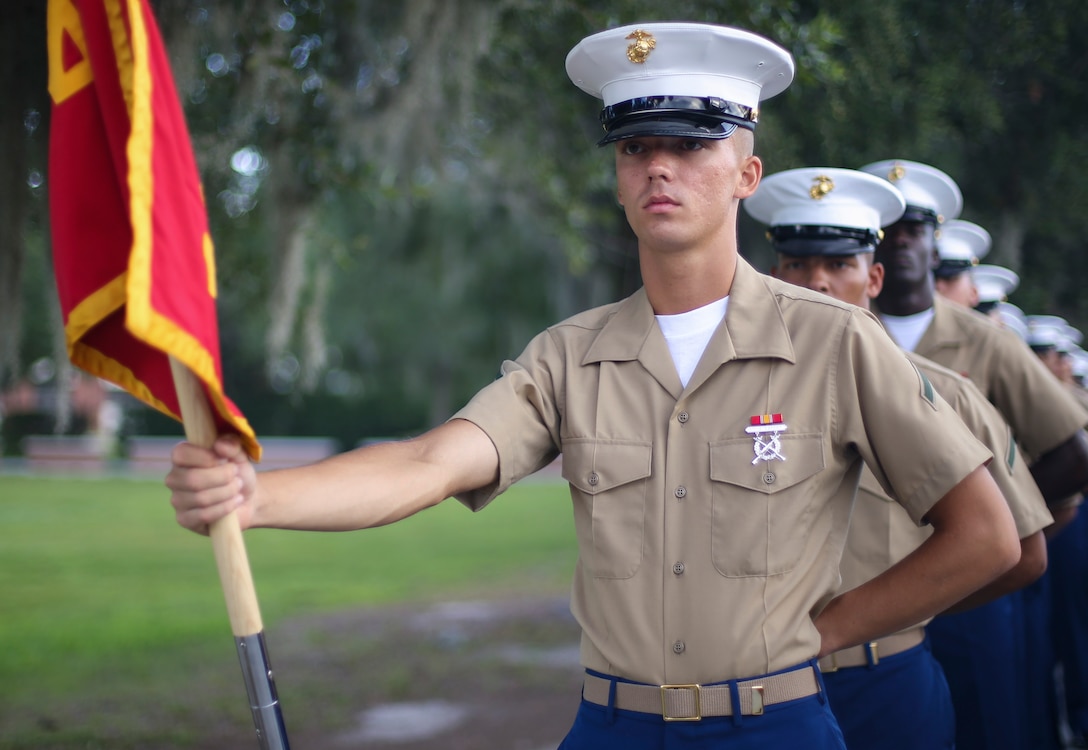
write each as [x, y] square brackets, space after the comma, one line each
[86, 454]
[151, 454]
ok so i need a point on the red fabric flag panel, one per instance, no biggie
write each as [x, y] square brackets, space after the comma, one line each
[133, 258]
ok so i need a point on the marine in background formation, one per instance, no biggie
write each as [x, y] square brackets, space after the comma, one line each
[824, 224]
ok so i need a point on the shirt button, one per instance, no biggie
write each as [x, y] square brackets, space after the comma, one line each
[769, 478]
[678, 568]
[678, 647]
[681, 491]
[682, 417]
[593, 479]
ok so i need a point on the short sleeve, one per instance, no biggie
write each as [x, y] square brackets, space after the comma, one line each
[520, 413]
[910, 437]
[1009, 469]
[1043, 415]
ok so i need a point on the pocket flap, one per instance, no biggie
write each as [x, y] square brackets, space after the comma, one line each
[594, 466]
[802, 457]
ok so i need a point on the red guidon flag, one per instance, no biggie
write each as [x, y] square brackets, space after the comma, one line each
[133, 259]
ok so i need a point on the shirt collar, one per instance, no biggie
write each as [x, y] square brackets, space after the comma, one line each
[942, 331]
[753, 328]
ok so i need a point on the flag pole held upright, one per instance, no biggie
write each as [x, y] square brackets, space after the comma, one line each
[235, 576]
[135, 263]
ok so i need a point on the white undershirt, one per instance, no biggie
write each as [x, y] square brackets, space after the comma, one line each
[907, 330]
[687, 335]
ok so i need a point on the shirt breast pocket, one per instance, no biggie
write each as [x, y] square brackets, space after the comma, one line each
[761, 512]
[609, 484]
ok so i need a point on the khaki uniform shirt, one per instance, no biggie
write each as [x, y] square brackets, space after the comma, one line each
[1041, 413]
[1078, 393]
[881, 533]
[704, 550]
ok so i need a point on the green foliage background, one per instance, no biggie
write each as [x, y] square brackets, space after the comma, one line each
[436, 172]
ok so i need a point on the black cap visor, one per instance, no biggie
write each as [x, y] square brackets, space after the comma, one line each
[821, 240]
[950, 269]
[676, 117]
[673, 127]
[920, 215]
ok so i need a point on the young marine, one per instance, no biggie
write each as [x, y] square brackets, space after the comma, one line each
[713, 426]
[824, 224]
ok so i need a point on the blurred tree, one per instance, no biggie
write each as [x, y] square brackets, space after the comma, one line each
[988, 90]
[22, 120]
[402, 193]
[298, 103]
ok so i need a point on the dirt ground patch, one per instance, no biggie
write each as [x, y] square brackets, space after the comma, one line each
[501, 675]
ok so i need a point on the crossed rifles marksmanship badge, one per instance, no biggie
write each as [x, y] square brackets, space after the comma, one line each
[765, 430]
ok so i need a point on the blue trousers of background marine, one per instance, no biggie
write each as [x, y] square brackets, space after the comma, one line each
[1068, 573]
[805, 723]
[901, 703]
[1040, 698]
[982, 659]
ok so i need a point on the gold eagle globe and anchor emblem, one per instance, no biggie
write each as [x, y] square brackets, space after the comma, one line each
[641, 47]
[821, 186]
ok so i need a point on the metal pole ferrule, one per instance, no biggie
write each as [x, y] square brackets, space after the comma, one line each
[261, 689]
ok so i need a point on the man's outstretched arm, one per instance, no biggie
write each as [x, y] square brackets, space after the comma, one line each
[366, 487]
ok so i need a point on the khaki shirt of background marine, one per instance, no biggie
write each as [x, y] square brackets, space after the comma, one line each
[1042, 415]
[881, 534]
[703, 557]
[1078, 393]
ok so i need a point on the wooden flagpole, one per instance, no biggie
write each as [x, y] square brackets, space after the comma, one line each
[235, 576]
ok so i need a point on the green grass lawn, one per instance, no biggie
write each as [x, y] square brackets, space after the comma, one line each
[100, 590]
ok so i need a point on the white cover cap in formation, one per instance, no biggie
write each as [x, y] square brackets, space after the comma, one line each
[994, 283]
[825, 210]
[960, 246]
[932, 196]
[1013, 318]
[1052, 332]
[1080, 364]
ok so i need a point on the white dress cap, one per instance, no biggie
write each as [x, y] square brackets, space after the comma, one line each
[1013, 318]
[635, 69]
[931, 195]
[1080, 363]
[1051, 331]
[802, 207]
[960, 245]
[963, 241]
[994, 283]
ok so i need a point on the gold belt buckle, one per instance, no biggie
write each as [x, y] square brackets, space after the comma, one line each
[695, 688]
[872, 648]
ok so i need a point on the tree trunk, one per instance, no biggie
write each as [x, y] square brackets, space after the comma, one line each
[291, 276]
[315, 348]
[24, 85]
[1008, 242]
